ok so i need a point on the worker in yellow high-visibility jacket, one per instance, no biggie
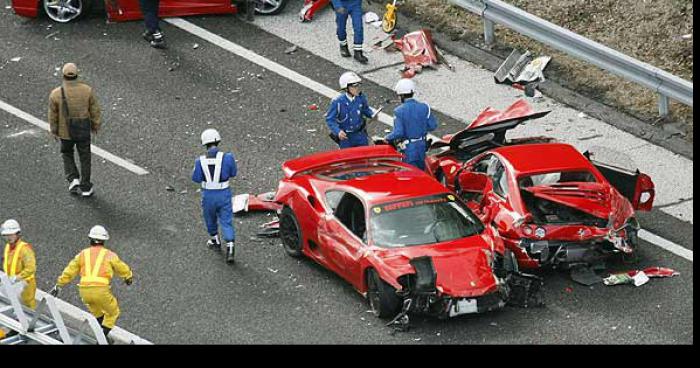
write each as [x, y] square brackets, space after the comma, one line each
[19, 261]
[96, 266]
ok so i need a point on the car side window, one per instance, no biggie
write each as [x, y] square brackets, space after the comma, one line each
[351, 212]
[500, 179]
[483, 164]
[333, 198]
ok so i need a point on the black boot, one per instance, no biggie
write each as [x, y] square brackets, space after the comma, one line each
[214, 243]
[106, 331]
[230, 252]
[344, 51]
[158, 40]
[359, 57]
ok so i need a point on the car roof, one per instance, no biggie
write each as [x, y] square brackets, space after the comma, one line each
[537, 158]
[393, 186]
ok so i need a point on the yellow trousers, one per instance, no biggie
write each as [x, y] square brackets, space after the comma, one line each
[101, 303]
[28, 294]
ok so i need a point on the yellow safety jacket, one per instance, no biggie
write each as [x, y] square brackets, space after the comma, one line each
[19, 260]
[96, 266]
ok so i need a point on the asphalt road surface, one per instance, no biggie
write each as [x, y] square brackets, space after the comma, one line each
[155, 104]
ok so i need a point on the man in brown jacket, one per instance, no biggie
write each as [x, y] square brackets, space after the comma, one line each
[81, 103]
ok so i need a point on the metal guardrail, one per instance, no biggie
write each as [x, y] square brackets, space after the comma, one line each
[665, 84]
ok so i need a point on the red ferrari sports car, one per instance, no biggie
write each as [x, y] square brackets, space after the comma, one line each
[551, 204]
[64, 11]
[393, 232]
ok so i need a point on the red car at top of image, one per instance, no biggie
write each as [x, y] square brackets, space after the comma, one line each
[552, 205]
[64, 11]
[395, 234]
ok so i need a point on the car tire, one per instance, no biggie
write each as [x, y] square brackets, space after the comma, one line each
[57, 11]
[290, 232]
[381, 296]
[262, 7]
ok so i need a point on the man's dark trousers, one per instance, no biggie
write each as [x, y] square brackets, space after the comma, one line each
[69, 167]
[149, 8]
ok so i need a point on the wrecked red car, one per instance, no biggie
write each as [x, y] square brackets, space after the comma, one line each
[64, 11]
[399, 237]
[551, 204]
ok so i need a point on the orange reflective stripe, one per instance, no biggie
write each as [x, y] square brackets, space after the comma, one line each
[91, 272]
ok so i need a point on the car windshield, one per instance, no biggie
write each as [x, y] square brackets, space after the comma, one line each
[357, 170]
[556, 177]
[422, 221]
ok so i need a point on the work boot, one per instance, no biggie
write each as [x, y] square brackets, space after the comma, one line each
[344, 51]
[230, 251]
[359, 57]
[214, 242]
[106, 331]
[87, 190]
[158, 40]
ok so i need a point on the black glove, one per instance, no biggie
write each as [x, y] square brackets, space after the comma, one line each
[129, 280]
[341, 10]
[55, 290]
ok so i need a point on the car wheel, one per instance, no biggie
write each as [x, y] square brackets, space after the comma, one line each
[64, 11]
[269, 7]
[290, 232]
[381, 296]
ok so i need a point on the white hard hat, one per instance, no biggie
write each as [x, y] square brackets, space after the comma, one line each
[98, 232]
[210, 136]
[10, 227]
[405, 86]
[348, 78]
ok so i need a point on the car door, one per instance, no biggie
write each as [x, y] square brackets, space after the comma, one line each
[343, 235]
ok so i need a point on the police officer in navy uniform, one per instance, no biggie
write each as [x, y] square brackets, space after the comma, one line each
[213, 171]
[153, 34]
[412, 122]
[345, 115]
[343, 8]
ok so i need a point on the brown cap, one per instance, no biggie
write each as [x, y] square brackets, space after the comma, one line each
[70, 70]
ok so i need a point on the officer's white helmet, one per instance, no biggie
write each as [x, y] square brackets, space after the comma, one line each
[348, 78]
[98, 232]
[10, 227]
[405, 86]
[210, 136]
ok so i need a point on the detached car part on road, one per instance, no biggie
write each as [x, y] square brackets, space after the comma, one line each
[551, 204]
[64, 11]
[397, 235]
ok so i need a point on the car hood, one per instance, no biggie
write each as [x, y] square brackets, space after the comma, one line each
[597, 199]
[463, 267]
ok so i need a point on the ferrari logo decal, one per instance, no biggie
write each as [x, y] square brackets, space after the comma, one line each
[451, 197]
[377, 210]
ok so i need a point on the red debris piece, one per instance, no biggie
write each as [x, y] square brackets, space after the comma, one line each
[569, 289]
[656, 272]
[313, 107]
[418, 50]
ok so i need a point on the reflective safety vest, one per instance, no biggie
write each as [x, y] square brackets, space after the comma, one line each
[10, 268]
[213, 183]
[93, 272]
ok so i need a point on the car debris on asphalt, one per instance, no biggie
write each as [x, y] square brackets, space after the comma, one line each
[639, 277]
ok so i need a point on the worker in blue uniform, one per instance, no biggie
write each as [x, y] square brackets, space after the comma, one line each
[412, 122]
[346, 113]
[213, 171]
[343, 8]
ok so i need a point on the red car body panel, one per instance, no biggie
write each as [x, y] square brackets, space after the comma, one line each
[130, 10]
[463, 266]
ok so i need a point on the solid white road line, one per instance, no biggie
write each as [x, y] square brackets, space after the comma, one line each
[666, 244]
[96, 150]
[331, 93]
[264, 62]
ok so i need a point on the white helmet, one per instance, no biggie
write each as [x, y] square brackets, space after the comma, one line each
[99, 233]
[405, 86]
[10, 227]
[210, 136]
[348, 78]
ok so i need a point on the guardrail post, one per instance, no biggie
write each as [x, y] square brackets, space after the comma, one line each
[663, 105]
[489, 35]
